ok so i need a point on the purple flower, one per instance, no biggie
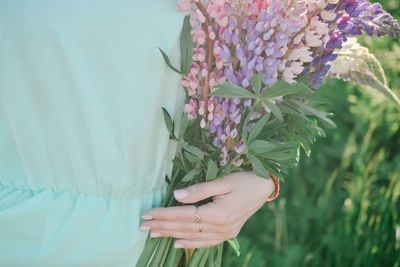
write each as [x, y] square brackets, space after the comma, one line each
[280, 40]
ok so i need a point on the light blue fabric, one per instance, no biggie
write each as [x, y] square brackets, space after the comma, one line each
[83, 146]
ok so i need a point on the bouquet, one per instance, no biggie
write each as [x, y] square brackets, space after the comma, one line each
[250, 69]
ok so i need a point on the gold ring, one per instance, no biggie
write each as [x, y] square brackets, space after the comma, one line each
[200, 228]
[197, 216]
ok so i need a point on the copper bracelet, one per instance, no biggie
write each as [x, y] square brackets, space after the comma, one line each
[275, 194]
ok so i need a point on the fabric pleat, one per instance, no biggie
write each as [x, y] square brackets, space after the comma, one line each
[57, 228]
[83, 146]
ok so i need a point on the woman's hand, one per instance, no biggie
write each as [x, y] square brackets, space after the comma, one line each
[235, 198]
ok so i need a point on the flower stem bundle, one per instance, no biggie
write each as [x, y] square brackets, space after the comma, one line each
[250, 69]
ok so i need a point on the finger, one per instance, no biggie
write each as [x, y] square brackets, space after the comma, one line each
[196, 243]
[200, 191]
[188, 235]
[207, 213]
[176, 213]
[157, 226]
[210, 213]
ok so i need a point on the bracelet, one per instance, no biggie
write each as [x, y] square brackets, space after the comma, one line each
[275, 194]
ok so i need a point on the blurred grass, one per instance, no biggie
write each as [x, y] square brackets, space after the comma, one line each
[341, 206]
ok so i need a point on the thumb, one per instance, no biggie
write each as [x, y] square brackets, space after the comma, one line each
[200, 191]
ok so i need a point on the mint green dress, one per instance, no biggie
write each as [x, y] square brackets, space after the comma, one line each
[83, 146]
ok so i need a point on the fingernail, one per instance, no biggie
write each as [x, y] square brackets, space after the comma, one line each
[144, 228]
[147, 217]
[152, 234]
[181, 193]
[177, 245]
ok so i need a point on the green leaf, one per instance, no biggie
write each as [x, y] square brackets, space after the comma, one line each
[226, 170]
[234, 243]
[195, 151]
[305, 145]
[281, 156]
[190, 175]
[183, 144]
[232, 90]
[256, 82]
[277, 172]
[286, 152]
[308, 110]
[244, 131]
[244, 117]
[282, 88]
[183, 124]
[169, 123]
[212, 170]
[291, 108]
[177, 163]
[167, 180]
[274, 109]
[191, 158]
[168, 61]
[258, 127]
[186, 45]
[258, 167]
[261, 146]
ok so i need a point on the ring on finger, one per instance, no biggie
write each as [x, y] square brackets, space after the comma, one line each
[197, 217]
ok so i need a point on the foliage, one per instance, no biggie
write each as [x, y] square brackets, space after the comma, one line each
[349, 208]
[288, 119]
[272, 147]
[341, 206]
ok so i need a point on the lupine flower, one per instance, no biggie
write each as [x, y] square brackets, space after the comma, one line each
[281, 40]
[254, 44]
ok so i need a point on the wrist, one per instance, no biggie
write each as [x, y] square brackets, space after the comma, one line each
[273, 186]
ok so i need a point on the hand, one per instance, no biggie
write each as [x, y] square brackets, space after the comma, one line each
[235, 198]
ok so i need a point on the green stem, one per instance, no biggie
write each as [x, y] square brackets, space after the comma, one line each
[166, 252]
[174, 257]
[219, 255]
[183, 161]
[211, 257]
[149, 248]
[204, 259]
[188, 256]
[159, 254]
[198, 255]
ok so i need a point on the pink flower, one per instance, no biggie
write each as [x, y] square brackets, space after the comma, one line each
[191, 109]
[259, 5]
[184, 5]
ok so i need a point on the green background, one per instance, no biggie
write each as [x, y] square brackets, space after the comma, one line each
[341, 206]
